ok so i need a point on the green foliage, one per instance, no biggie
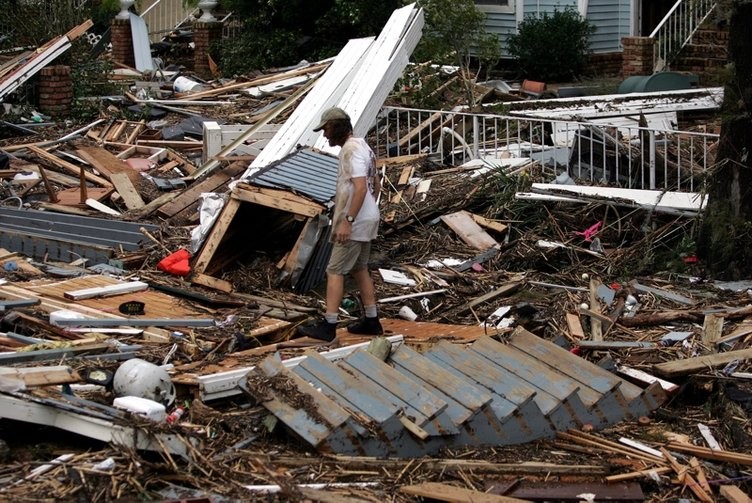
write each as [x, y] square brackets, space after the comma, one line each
[35, 22]
[281, 33]
[90, 81]
[455, 34]
[552, 47]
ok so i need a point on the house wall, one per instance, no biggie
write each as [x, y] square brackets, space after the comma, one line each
[612, 19]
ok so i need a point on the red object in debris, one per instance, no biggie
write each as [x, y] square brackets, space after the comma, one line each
[576, 350]
[691, 259]
[175, 415]
[590, 231]
[477, 267]
[615, 286]
[176, 263]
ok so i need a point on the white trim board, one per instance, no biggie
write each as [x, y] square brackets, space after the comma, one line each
[650, 199]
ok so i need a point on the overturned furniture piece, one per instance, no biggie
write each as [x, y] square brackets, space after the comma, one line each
[415, 404]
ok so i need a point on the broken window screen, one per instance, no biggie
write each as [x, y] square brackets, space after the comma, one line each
[495, 5]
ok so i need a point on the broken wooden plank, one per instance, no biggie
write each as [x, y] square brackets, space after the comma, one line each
[712, 329]
[468, 231]
[489, 224]
[185, 200]
[106, 291]
[646, 378]
[659, 292]
[71, 168]
[734, 495]
[575, 326]
[687, 479]
[126, 189]
[700, 363]
[711, 454]
[596, 322]
[502, 291]
[41, 376]
[446, 492]
[279, 199]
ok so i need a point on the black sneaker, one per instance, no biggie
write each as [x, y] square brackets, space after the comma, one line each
[366, 326]
[321, 330]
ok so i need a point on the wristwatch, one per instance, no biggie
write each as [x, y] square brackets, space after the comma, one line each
[349, 218]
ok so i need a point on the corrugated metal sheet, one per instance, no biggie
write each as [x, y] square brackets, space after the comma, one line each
[57, 236]
[307, 172]
[488, 393]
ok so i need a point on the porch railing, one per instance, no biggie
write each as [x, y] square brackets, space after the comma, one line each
[615, 155]
[163, 16]
[676, 29]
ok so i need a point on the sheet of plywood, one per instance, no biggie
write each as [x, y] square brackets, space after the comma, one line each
[468, 230]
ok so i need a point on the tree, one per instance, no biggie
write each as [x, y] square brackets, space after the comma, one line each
[552, 46]
[282, 32]
[725, 242]
[455, 34]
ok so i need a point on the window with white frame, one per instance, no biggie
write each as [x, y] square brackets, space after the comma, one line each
[495, 5]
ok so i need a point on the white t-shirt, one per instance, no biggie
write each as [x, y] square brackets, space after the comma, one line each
[356, 159]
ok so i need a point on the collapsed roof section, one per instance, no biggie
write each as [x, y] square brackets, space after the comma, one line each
[417, 403]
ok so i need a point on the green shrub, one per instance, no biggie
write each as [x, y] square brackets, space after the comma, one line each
[552, 46]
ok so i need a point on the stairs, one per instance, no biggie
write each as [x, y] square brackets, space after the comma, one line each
[706, 54]
[489, 393]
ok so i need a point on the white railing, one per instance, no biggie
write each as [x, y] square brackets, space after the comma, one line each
[163, 16]
[621, 156]
[676, 29]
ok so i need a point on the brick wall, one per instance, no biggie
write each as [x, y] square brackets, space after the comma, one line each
[637, 58]
[605, 65]
[55, 90]
[204, 35]
[122, 42]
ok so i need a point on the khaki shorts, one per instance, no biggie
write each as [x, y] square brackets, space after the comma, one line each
[349, 257]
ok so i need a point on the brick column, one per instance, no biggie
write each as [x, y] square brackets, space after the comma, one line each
[204, 35]
[637, 58]
[55, 90]
[122, 42]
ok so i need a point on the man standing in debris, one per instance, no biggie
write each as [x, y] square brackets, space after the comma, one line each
[355, 224]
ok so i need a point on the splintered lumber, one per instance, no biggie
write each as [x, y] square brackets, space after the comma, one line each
[596, 327]
[502, 291]
[187, 199]
[41, 376]
[469, 231]
[575, 326]
[712, 454]
[446, 492]
[735, 495]
[701, 363]
[70, 168]
[639, 474]
[687, 479]
[489, 224]
[606, 445]
[712, 329]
